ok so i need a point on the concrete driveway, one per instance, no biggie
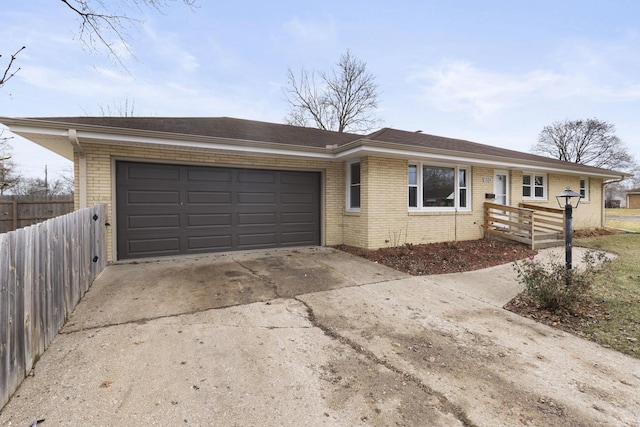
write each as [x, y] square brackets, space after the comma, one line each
[314, 336]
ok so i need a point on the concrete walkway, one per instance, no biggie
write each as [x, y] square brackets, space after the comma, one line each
[314, 336]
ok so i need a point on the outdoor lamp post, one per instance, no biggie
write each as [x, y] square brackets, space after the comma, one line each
[567, 195]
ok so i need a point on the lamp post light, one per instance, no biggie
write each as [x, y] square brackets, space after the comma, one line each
[567, 195]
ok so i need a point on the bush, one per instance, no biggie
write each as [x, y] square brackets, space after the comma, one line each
[546, 284]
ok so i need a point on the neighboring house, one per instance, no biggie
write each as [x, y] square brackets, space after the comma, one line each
[633, 199]
[190, 185]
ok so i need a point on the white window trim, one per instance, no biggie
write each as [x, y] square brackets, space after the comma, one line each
[545, 186]
[456, 207]
[586, 189]
[348, 201]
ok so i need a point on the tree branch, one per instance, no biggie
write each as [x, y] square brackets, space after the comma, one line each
[8, 74]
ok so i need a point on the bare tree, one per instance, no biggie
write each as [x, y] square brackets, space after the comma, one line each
[9, 177]
[125, 109]
[41, 187]
[9, 70]
[588, 142]
[100, 25]
[343, 100]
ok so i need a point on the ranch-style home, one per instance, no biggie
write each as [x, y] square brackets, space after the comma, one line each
[191, 185]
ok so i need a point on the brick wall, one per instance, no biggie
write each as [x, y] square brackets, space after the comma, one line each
[384, 218]
[589, 213]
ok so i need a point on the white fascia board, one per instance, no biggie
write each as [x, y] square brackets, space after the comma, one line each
[38, 130]
[248, 148]
[359, 151]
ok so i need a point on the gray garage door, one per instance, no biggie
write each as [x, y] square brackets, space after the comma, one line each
[177, 209]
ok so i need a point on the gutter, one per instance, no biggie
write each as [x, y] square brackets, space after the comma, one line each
[604, 199]
[82, 167]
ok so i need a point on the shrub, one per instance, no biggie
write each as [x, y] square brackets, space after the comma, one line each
[545, 284]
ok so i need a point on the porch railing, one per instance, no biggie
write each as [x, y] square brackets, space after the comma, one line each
[536, 226]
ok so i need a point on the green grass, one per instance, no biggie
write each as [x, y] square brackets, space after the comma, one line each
[622, 212]
[623, 225]
[619, 294]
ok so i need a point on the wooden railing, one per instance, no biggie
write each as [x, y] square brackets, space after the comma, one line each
[529, 224]
[44, 271]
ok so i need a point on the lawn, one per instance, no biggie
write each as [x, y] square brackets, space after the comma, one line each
[619, 294]
[623, 225]
[622, 212]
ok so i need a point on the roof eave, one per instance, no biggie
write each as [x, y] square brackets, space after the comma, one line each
[364, 146]
[53, 135]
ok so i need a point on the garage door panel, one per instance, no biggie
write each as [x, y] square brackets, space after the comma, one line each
[297, 178]
[298, 238]
[207, 220]
[209, 243]
[209, 197]
[256, 176]
[297, 198]
[210, 209]
[209, 175]
[153, 197]
[305, 218]
[256, 240]
[247, 198]
[143, 222]
[155, 172]
[264, 219]
[154, 246]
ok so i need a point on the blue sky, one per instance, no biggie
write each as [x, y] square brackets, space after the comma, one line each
[494, 72]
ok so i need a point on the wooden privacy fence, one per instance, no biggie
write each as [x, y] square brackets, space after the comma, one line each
[532, 225]
[22, 211]
[44, 271]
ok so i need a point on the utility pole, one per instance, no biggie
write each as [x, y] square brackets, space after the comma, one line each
[46, 182]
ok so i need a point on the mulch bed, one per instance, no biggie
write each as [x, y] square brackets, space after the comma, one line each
[447, 257]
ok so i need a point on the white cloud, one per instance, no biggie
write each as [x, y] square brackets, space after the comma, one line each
[459, 86]
[311, 31]
[167, 47]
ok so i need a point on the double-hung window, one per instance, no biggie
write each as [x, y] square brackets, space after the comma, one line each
[584, 188]
[353, 187]
[434, 187]
[534, 186]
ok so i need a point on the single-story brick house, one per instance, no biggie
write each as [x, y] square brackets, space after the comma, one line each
[633, 198]
[190, 185]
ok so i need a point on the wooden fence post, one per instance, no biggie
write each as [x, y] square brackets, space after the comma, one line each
[15, 214]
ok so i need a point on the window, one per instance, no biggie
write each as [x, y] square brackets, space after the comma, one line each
[534, 186]
[584, 188]
[413, 186]
[462, 187]
[353, 190]
[438, 187]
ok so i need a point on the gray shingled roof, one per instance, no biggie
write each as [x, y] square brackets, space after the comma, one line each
[219, 127]
[250, 130]
[419, 139]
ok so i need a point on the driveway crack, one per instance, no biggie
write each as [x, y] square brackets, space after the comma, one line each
[445, 403]
[262, 277]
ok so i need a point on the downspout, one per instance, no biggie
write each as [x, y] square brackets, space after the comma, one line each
[603, 215]
[82, 167]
